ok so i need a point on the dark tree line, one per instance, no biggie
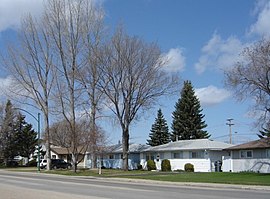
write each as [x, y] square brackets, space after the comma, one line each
[17, 137]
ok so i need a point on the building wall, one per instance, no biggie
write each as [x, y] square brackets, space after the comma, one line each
[259, 162]
[256, 165]
[204, 162]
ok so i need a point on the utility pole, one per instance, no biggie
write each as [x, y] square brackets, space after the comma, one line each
[229, 123]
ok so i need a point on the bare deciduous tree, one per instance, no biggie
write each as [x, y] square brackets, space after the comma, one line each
[30, 64]
[133, 80]
[70, 24]
[90, 73]
[250, 79]
[62, 136]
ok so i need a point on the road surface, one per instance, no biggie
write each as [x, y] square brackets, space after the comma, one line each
[16, 185]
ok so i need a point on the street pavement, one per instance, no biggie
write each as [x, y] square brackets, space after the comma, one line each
[16, 185]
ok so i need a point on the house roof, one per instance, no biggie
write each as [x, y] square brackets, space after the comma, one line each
[133, 148]
[65, 151]
[256, 144]
[198, 144]
[60, 151]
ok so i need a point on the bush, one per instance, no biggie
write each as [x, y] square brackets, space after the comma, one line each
[166, 165]
[139, 166]
[32, 163]
[189, 167]
[151, 165]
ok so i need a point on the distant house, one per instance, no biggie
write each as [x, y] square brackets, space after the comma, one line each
[113, 157]
[65, 154]
[250, 156]
[110, 156]
[204, 154]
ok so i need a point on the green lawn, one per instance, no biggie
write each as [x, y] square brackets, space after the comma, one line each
[244, 178]
[225, 178]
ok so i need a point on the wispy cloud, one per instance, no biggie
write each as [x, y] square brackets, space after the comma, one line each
[211, 95]
[11, 11]
[219, 53]
[5, 84]
[176, 60]
[262, 24]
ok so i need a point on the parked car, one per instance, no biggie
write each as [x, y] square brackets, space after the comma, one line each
[43, 163]
[59, 163]
[12, 163]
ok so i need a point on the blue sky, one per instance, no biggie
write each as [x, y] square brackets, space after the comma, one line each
[201, 38]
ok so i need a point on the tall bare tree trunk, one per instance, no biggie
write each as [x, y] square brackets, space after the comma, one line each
[125, 146]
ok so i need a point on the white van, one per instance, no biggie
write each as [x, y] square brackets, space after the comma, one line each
[43, 163]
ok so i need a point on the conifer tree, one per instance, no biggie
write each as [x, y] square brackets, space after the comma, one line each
[265, 132]
[159, 132]
[7, 136]
[188, 120]
[26, 137]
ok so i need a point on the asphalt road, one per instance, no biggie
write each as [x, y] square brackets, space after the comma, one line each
[15, 185]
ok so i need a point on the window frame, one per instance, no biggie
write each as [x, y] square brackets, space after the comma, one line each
[196, 155]
[177, 155]
[246, 154]
[268, 153]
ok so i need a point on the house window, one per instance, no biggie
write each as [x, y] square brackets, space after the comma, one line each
[53, 156]
[268, 153]
[196, 154]
[246, 154]
[150, 156]
[111, 156]
[177, 155]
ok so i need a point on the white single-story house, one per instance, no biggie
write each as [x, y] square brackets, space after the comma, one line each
[204, 154]
[250, 156]
[112, 158]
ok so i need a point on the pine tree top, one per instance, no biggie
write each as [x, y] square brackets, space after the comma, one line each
[188, 120]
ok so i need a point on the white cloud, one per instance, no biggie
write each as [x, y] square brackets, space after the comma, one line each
[5, 84]
[176, 60]
[262, 24]
[211, 95]
[219, 53]
[11, 11]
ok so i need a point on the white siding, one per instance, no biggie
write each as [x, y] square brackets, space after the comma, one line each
[256, 165]
[227, 164]
[200, 165]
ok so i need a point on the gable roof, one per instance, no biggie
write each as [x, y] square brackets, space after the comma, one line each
[256, 144]
[133, 148]
[60, 151]
[183, 145]
[65, 151]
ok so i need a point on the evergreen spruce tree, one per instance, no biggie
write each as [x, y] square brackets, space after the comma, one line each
[159, 132]
[16, 136]
[7, 135]
[188, 120]
[264, 133]
[26, 137]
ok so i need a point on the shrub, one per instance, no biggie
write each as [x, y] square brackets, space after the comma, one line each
[189, 167]
[151, 165]
[32, 163]
[139, 166]
[166, 165]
